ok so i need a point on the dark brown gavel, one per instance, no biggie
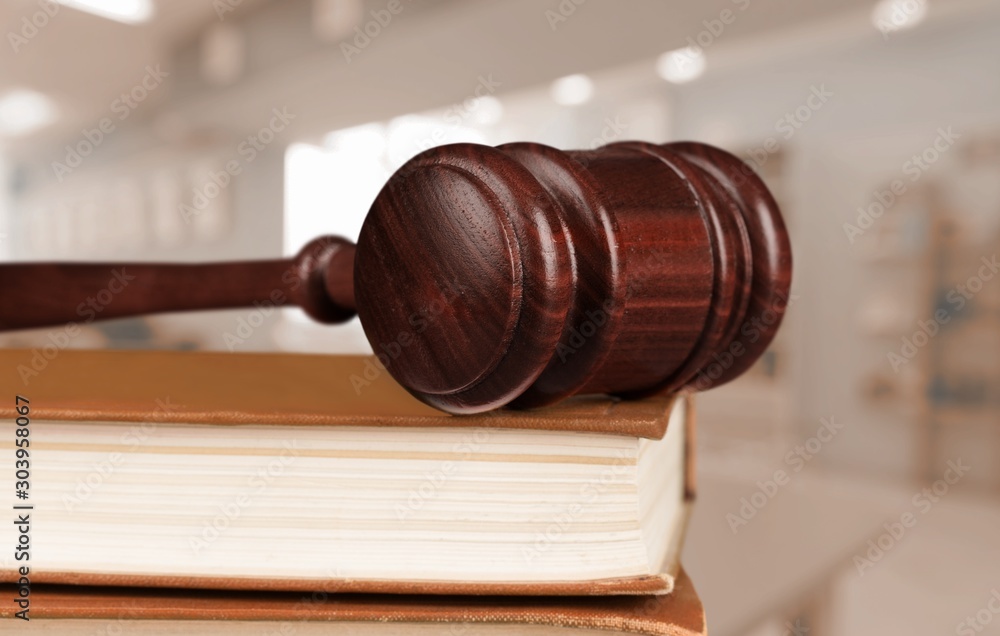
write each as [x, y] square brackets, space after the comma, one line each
[513, 275]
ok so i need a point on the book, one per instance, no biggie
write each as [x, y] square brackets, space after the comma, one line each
[83, 611]
[284, 472]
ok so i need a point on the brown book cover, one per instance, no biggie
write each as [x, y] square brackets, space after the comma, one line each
[232, 389]
[85, 610]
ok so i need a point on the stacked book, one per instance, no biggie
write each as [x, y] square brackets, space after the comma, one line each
[164, 492]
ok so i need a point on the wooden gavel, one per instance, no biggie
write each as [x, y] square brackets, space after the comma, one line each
[514, 275]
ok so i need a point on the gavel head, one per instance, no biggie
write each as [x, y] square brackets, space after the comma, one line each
[523, 274]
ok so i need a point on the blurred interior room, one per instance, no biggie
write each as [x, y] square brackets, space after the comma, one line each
[848, 484]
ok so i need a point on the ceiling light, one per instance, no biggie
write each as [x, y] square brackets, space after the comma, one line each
[127, 11]
[572, 90]
[896, 15]
[24, 111]
[681, 65]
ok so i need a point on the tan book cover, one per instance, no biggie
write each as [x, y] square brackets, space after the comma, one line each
[240, 388]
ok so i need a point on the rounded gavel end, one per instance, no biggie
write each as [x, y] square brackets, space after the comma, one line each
[521, 274]
[323, 279]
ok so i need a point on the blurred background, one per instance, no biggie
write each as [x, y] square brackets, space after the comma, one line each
[848, 483]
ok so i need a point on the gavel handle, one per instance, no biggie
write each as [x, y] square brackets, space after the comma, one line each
[320, 279]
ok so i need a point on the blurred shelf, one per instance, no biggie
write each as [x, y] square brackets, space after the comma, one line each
[921, 255]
